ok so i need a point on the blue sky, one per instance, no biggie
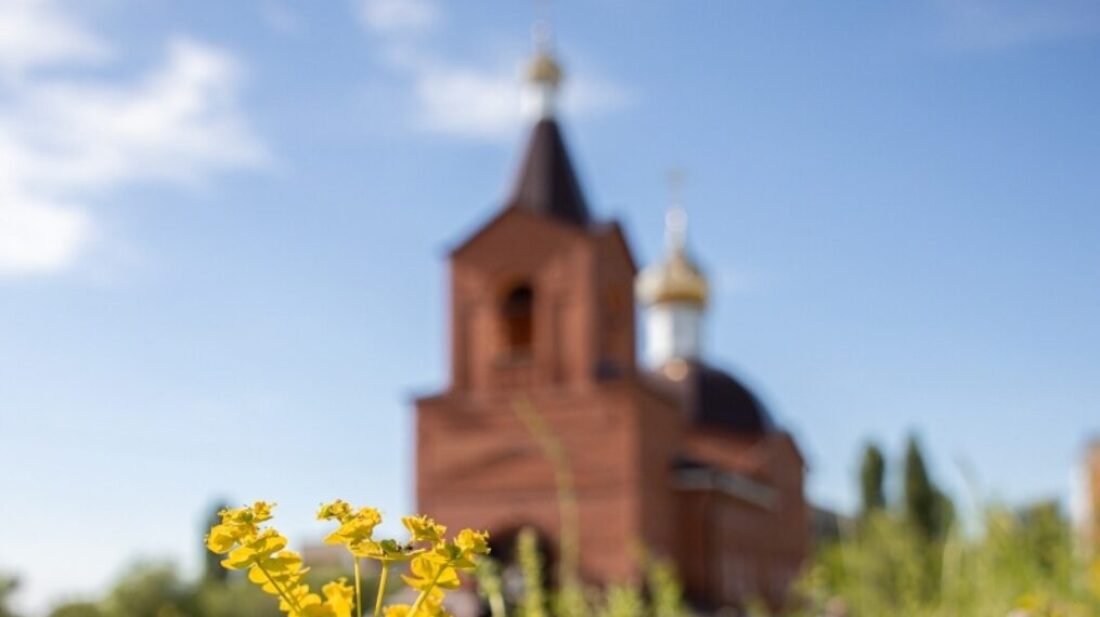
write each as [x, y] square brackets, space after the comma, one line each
[223, 226]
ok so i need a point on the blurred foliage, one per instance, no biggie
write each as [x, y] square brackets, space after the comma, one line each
[1022, 561]
[8, 586]
[658, 595]
[157, 590]
[928, 509]
[77, 609]
[153, 590]
[914, 560]
[872, 478]
[533, 603]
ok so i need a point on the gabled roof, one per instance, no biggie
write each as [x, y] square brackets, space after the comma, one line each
[546, 182]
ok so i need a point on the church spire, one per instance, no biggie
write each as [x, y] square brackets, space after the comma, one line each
[547, 182]
[675, 294]
[544, 74]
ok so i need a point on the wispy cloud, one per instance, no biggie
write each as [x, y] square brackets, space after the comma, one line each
[65, 141]
[280, 18]
[467, 100]
[489, 103]
[398, 16]
[35, 33]
[992, 25]
[737, 281]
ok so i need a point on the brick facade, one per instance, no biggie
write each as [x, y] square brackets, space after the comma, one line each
[543, 309]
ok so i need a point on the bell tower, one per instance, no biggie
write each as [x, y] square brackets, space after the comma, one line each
[542, 294]
[542, 311]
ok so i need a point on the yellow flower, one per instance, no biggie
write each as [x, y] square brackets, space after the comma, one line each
[384, 550]
[261, 511]
[432, 606]
[283, 562]
[255, 514]
[237, 525]
[340, 596]
[423, 529]
[255, 549]
[357, 528]
[428, 571]
[316, 610]
[311, 605]
[473, 542]
[339, 510]
[222, 538]
[452, 554]
[434, 567]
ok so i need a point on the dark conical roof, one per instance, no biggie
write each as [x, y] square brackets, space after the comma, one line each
[546, 182]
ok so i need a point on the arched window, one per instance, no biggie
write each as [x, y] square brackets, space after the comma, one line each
[517, 315]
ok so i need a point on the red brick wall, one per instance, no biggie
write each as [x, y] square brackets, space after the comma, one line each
[478, 466]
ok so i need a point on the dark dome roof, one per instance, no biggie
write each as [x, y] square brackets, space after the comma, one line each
[713, 397]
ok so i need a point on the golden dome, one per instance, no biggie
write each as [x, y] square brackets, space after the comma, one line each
[545, 70]
[675, 280]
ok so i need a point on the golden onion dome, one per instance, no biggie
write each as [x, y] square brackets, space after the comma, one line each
[545, 70]
[677, 278]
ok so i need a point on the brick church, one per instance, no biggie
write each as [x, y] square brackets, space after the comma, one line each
[672, 453]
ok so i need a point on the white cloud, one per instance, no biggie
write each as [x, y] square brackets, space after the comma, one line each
[466, 102]
[397, 16]
[993, 25]
[37, 33]
[66, 140]
[39, 237]
[461, 99]
[487, 104]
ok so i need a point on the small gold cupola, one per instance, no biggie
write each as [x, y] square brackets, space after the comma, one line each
[544, 75]
[674, 293]
[676, 279]
[544, 69]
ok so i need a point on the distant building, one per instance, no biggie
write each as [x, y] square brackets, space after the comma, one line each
[1086, 498]
[320, 555]
[678, 456]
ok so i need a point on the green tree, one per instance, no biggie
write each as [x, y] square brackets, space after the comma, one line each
[872, 473]
[922, 499]
[77, 609]
[8, 585]
[1045, 533]
[150, 590]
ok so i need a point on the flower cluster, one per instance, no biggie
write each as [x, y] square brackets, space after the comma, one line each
[261, 551]
[434, 561]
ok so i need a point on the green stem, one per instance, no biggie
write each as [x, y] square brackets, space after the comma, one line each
[381, 587]
[358, 592]
[424, 594]
[283, 594]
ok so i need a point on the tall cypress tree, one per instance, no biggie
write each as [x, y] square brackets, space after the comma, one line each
[921, 501]
[872, 473]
